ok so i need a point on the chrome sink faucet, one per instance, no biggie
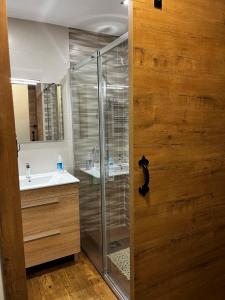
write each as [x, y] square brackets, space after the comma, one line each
[28, 172]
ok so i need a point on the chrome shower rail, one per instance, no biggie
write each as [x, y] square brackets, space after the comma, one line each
[117, 42]
[97, 53]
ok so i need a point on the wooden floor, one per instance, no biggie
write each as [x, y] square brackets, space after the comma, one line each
[68, 281]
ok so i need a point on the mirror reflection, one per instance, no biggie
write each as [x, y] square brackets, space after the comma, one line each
[38, 110]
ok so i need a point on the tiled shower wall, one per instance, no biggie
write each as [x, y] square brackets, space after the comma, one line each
[115, 75]
[84, 94]
[53, 112]
[84, 43]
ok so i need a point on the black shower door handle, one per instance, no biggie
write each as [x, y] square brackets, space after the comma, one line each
[144, 164]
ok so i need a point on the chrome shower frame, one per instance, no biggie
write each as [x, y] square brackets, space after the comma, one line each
[101, 100]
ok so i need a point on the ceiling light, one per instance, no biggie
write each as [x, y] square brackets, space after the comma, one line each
[24, 81]
[125, 2]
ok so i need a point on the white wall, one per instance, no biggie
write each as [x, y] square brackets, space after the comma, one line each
[38, 51]
[41, 52]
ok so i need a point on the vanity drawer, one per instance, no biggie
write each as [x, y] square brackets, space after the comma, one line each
[56, 244]
[48, 214]
[30, 196]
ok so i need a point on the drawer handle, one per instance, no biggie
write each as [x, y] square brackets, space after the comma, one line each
[40, 203]
[42, 235]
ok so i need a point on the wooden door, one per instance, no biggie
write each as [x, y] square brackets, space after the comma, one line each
[11, 240]
[178, 122]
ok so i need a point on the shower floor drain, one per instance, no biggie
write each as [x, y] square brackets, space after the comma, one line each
[121, 259]
[115, 245]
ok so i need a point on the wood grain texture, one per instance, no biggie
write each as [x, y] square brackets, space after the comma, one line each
[69, 282]
[11, 246]
[51, 223]
[178, 112]
[41, 235]
[30, 196]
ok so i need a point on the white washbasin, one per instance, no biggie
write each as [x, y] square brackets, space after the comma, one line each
[115, 170]
[39, 181]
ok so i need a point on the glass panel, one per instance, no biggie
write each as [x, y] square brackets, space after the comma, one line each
[100, 128]
[116, 202]
[85, 113]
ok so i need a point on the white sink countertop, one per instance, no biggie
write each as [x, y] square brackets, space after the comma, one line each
[115, 170]
[38, 181]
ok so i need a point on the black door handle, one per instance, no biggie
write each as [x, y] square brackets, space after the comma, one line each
[144, 164]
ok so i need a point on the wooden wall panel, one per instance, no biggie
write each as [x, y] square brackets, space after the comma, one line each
[11, 238]
[178, 112]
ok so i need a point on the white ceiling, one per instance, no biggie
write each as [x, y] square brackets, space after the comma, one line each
[104, 16]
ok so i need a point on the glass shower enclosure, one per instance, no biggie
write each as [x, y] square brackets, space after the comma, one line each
[101, 148]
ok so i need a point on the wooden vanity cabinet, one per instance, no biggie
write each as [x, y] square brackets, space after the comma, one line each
[51, 225]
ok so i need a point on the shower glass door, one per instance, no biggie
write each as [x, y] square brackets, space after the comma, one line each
[85, 114]
[99, 88]
[114, 94]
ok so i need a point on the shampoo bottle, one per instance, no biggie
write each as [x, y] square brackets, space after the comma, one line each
[60, 164]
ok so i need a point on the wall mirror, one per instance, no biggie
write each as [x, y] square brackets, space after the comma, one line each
[38, 110]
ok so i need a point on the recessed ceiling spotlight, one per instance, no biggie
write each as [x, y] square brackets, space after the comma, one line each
[125, 2]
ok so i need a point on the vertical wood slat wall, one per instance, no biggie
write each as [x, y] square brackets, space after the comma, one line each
[11, 240]
[178, 122]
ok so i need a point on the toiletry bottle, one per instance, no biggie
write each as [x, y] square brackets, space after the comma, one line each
[110, 162]
[88, 162]
[60, 164]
